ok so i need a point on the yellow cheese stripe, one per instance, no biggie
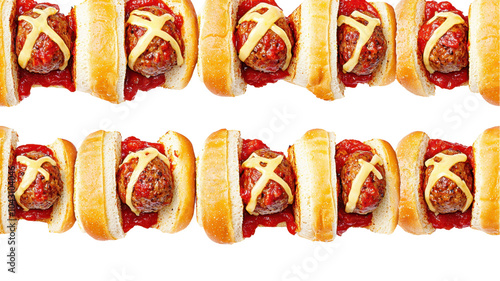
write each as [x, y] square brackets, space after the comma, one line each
[254, 161]
[40, 25]
[264, 23]
[144, 157]
[442, 169]
[357, 183]
[154, 28]
[33, 167]
[451, 20]
[365, 32]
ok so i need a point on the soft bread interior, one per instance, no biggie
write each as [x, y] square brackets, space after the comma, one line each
[63, 217]
[234, 151]
[219, 66]
[177, 215]
[313, 160]
[386, 72]
[8, 142]
[8, 66]
[385, 217]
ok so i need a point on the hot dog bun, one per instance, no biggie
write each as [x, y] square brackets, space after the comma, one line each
[8, 59]
[97, 206]
[103, 32]
[62, 216]
[484, 57]
[413, 209]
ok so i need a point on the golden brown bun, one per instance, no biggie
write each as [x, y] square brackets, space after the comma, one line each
[97, 205]
[412, 209]
[485, 211]
[315, 207]
[218, 65]
[410, 69]
[8, 142]
[385, 217]
[8, 60]
[484, 54]
[100, 62]
[219, 208]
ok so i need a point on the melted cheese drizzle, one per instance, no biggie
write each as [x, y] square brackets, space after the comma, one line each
[254, 161]
[357, 183]
[442, 169]
[33, 167]
[144, 157]
[365, 32]
[264, 23]
[451, 20]
[154, 28]
[40, 25]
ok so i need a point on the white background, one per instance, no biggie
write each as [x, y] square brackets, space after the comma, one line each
[278, 114]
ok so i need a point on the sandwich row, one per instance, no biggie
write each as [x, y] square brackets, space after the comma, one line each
[114, 48]
[318, 189]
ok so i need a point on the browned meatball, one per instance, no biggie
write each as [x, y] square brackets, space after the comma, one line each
[269, 55]
[153, 189]
[42, 193]
[273, 198]
[450, 53]
[46, 55]
[159, 57]
[445, 195]
[373, 189]
[372, 53]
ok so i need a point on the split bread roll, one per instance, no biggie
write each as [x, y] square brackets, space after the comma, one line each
[97, 204]
[485, 207]
[62, 216]
[220, 206]
[314, 55]
[101, 62]
[484, 40]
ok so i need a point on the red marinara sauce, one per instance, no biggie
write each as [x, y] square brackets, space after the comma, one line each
[251, 76]
[33, 214]
[250, 223]
[346, 8]
[452, 220]
[130, 219]
[135, 81]
[442, 80]
[347, 220]
[61, 78]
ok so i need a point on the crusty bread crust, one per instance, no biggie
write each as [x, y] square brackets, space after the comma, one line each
[386, 72]
[215, 211]
[8, 63]
[412, 211]
[484, 54]
[313, 160]
[486, 207]
[410, 70]
[218, 65]
[63, 216]
[385, 217]
[8, 142]
[100, 62]
[177, 216]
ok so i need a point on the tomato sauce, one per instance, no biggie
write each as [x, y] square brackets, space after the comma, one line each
[251, 76]
[135, 81]
[133, 144]
[32, 214]
[59, 78]
[129, 219]
[452, 220]
[346, 8]
[250, 223]
[347, 220]
[442, 80]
